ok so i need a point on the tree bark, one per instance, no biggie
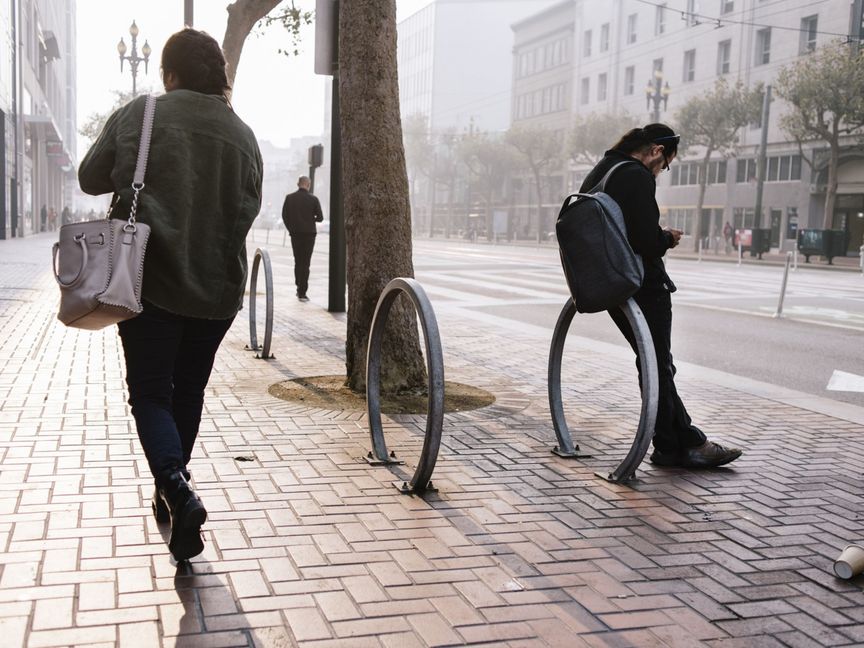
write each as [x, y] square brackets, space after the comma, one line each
[831, 186]
[377, 210]
[536, 171]
[703, 184]
[242, 16]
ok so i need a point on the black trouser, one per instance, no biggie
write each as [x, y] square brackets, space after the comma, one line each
[673, 430]
[302, 245]
[168, 363]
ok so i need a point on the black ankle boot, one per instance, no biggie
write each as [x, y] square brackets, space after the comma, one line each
[160, 509]
[186, 513]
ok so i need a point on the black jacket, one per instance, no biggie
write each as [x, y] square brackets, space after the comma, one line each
[633, 187]
[300, 211]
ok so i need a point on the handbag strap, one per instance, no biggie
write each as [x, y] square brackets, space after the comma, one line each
[143, 155]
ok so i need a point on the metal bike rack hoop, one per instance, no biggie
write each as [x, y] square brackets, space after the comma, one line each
[253, 293]
[626, 470]
[421, 481]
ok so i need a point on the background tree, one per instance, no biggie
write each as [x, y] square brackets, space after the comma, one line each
[447, 170]
[419, 151]
[541, 151]
[712, 121]
[375, 183]
[490, 161]
[244, 15]
[95, 122]
[592, 135]
[825, 91]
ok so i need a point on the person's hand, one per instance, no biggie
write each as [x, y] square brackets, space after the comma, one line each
[676, 236]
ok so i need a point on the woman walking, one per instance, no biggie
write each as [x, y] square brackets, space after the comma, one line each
[202, 192]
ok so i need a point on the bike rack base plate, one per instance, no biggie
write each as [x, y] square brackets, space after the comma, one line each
[372, 460]
[407, 489]
[608, 477]
[571, 455]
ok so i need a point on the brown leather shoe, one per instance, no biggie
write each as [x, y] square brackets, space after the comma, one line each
[707, 455]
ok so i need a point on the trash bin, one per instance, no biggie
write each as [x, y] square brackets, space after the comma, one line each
[826, 243]
[835, 244]
[760, 242]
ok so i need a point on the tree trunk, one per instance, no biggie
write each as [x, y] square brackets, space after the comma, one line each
[536, 173]
[703, 184]
[242, 16]
[377, 216]
[831, 187]
[489, 217]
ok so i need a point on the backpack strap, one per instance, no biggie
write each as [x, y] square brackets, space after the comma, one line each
[601, 186]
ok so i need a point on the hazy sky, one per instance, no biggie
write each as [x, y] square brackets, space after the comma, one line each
[278, 96]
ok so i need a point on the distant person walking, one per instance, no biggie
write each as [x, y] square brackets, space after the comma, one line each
[203, 190]
[300, 211]
[649, 150]
[727, 236]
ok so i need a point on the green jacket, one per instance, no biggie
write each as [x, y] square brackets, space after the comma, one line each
[202, 190]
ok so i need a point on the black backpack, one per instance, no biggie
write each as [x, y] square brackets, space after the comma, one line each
[601, 268]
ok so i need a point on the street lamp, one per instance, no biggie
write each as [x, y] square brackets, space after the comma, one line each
[133, 57]
[657, 92]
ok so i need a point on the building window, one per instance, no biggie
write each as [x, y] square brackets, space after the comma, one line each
[604, 37]
[660, 20]
[724, 53]
[586, 43]
[743, 218]
[601, 87]
[691, 18]
[809, 26]
[763, 46]
[795, 172]
[584, 95]
[631, 28]
[657, 65]
[629, 79]
[745, 170]
[778, 168]
[773, 169]
[689, 65]
[727, 6]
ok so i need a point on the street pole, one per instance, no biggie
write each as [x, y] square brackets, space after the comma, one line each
[763, 156]
[133, 58]
[188, 11]
[337, 281]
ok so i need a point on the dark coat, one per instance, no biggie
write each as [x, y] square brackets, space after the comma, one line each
[300, 211]
[202, 192]
[633, 187]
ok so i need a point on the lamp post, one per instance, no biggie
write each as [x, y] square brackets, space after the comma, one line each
[133, 57]
[656, 92]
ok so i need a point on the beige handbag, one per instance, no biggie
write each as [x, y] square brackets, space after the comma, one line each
[99, 264]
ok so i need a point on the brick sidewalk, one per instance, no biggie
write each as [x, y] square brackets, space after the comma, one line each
[308, 545]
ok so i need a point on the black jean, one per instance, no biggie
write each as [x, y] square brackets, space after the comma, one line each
[673, 430]
[168, 363]
[302, 246]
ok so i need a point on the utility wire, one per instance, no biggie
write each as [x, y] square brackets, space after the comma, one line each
[718, 21]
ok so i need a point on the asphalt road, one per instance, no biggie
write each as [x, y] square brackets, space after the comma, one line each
[722, 313]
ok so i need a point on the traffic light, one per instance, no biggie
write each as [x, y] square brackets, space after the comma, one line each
[316, 155]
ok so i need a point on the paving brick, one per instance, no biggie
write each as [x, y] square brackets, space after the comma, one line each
[306, 624]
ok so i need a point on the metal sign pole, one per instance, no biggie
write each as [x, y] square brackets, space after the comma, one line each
[327, 63]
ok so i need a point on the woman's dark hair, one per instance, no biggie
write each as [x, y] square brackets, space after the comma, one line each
[639, 140]
[197, 61]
